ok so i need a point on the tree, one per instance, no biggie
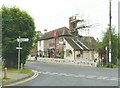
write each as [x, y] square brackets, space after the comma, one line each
[38, 34]
[105, 43]
[0, 35]
[37, 37]
[16, 23]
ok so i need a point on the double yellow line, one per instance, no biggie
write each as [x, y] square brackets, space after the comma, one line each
[25, 80]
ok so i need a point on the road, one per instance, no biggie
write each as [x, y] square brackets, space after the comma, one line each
[70, 75]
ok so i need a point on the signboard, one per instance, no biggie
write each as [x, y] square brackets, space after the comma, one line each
[61, 43]
[55, 34]
[109, 57]
[22, 39]
[18, 48]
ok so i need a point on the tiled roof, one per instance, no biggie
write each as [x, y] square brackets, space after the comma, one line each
[78, 42]
[87, 42]
[61, 32]
[81, 42]
[72, 43]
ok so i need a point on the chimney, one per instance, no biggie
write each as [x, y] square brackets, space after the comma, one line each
[73, 25]
[45, 30]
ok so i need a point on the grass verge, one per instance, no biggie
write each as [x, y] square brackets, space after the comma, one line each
[6, 79]
[11, 70]
[23, 71]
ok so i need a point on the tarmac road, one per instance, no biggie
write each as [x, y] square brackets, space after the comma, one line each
[70, 75]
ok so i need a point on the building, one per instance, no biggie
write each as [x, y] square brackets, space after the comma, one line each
[66, 46]
[66, 43]
[52, 43]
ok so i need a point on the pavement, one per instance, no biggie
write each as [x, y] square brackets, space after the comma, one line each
[16, 77]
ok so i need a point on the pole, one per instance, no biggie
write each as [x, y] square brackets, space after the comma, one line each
[106, 48]
[19, 55]
[55, 49]
[110, 33]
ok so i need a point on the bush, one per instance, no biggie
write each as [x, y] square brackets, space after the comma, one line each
[110, 65]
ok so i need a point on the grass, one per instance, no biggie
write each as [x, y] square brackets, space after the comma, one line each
[0, 68]
[11, 70]
[23, 71]
[5, 79]
[26, 71]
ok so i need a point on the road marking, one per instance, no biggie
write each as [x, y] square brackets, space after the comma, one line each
[54, 73]
[114, 78]
[25, 80]
[90, 76]
[102, 77]
[81, 76]
[69, 75]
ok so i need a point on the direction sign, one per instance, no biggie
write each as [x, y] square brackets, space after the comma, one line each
[18, 48]
[22, 39]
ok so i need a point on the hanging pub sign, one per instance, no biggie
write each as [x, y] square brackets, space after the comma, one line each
[55, 34]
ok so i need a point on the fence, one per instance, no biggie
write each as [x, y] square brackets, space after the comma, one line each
[66, 61]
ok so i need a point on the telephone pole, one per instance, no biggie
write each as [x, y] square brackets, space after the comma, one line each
[110, 17]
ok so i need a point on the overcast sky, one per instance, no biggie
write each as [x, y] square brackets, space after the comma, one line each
[53, 14]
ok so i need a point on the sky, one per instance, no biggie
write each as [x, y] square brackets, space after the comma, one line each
[53, 14]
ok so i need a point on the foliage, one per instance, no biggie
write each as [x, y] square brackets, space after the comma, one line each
[0, 34]
[101, 46]
[38, 34]
[16, 23]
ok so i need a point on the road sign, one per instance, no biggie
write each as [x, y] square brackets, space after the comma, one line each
[22, 39]
[18, 48]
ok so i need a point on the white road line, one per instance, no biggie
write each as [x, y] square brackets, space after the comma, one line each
[102, 77]
[81, 75]
[90, 76]
[115, 79]
[54, 73]
[71, 74]
[62, 74]
[67, 74]
[45, 72]
[39, 72]
[77, 76]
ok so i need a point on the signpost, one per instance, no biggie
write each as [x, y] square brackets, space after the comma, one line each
[20, 40]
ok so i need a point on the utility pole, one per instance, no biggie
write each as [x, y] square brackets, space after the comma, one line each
[110, 33]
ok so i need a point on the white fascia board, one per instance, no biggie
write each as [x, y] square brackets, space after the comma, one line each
[77, 44]
[82, 44]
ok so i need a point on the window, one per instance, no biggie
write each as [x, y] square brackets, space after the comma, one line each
[68, 53]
